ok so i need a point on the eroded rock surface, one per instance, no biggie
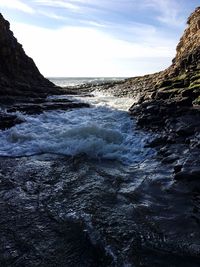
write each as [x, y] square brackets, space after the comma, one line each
[77, 212]
[179, 85]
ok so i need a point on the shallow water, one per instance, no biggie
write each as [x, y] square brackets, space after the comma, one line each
[104, 131]
[97, 195]
[63, 211]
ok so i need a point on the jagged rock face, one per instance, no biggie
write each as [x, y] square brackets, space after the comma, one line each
[175, 92]
[188, 49]
[18, 73]
[190, 40]
[181, 80]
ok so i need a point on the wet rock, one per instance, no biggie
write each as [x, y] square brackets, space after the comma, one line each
[185, 130]
[158, 141]
[188, 173]
[190, 170]
[8, 120]
[177, 168]
[170, 159]
[46, 106]
[67, 212]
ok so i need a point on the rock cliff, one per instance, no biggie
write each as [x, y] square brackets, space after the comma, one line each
[188, 47]
[176, 90]
[182, 78]
[180, 82]
[18, 73]
[170, 105]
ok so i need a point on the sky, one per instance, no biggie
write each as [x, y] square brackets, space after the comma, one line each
[98, 38]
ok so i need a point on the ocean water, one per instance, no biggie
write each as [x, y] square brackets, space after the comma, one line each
[103, 131]
[65, 82]
[119, 197]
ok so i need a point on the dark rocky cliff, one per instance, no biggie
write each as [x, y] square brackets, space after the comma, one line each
[18, 73]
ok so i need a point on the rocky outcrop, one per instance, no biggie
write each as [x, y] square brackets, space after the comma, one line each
[170, 104]
[182, 79]
[178, 83]
[18, 73]
[187, 59]
[22, 86]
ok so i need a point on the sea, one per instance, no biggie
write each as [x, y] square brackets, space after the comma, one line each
[91, 172]
[103, 131]
[74, 81]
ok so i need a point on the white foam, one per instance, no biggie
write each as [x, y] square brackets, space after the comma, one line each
[102, 131]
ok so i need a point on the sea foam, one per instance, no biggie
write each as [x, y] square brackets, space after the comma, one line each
[103, 131]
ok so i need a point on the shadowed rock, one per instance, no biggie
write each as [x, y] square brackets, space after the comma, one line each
[18, 73]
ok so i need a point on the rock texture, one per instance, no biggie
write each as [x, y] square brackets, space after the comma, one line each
[170, 104]
[180, 82]
[22, 86]
[187, 58]
[182, 78]
[175, 91]
[18, 73]
[73, 212]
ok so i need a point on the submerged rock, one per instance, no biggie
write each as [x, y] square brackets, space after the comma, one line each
[8, 120]
[77, 212]
[190, 168]
[46, 106]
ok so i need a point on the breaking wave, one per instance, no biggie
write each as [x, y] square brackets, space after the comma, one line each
[104, 131]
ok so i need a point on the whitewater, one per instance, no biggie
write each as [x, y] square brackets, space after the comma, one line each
[103, 131]
[83, 187]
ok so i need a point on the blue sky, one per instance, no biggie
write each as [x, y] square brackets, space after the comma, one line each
[98, 37]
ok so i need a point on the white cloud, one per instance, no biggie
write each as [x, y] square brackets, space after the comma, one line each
[169, 11]
[82, 51]
[16, 4]
[51, 15]
[57, 3]
[93, 23]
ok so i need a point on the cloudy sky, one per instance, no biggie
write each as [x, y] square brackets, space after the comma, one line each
[85, 38]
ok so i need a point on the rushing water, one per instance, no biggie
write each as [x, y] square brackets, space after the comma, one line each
[103, 131]
[115, 203]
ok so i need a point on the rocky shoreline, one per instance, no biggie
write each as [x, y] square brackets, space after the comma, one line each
[70, 211]
[167, 103]
[173, 108]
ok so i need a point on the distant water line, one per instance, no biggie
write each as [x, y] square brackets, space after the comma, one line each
[75, 81]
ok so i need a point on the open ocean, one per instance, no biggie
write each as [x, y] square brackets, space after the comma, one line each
[74, 81]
